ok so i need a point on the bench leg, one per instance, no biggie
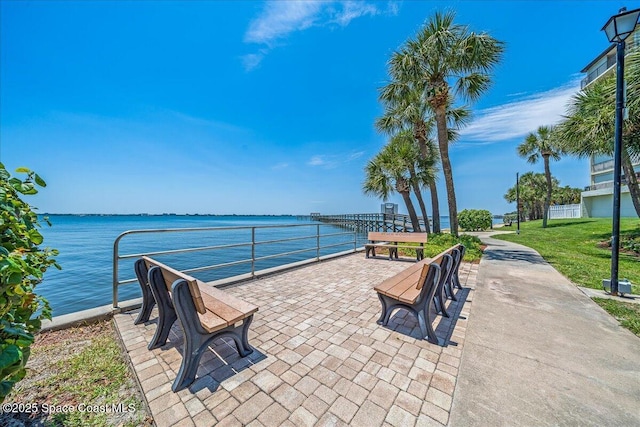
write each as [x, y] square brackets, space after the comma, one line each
[246, 348]
[370, 251]
[450, 287]
[438, 302]
[197, 340]
[383, 317]
[147, 297]
[166, 312]
[424, 320]
[419, 254]
[420, 312]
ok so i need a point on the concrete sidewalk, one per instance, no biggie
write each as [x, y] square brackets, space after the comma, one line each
[540, 352]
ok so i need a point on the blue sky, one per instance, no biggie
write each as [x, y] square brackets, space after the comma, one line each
[262, 107]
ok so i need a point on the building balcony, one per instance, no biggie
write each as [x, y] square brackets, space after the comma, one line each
[607, 184]
[607, 65]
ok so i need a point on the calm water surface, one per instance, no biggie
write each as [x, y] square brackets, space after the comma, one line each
[86, 251]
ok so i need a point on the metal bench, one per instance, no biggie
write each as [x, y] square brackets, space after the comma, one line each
[414, 288]
[204, 312]
[392, 242]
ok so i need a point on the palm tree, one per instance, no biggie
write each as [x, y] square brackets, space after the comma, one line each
[447, 60]
[533, 188]
[541, 145]
[420, 170]
[387, 172]
[406, 109]
[589, 128]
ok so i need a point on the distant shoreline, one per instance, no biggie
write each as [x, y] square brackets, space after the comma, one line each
[165, 214]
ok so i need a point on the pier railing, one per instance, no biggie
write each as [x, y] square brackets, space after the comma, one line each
[370, 221]
[250, 248]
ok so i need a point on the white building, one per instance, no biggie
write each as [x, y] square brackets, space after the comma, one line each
[597, 199]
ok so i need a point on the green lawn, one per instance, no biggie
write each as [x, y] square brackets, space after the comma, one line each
[572, 247]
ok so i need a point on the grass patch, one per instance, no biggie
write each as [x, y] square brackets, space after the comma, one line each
[574, 248]
[437, 243]
[627, 314]
[78, 368]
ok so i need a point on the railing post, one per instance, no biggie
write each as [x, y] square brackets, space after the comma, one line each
[253, 252]
[318, 243]
[115, 273]
[355, 241]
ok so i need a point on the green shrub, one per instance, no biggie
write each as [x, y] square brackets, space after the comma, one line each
[475, 219]
[22, 265]
[439, 242]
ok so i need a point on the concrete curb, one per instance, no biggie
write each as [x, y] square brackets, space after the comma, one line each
[91, 315]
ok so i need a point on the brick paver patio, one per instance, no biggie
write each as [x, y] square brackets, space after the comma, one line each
[319, 357]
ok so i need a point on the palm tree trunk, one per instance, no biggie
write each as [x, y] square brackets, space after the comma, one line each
[416, 190]
[547, 200]
[632, 180]
[435, 207]
[443, 143]
[403, 187]
[412, 211]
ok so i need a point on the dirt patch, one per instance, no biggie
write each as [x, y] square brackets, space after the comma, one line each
[57, 359]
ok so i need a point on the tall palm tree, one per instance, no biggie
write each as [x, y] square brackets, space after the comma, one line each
[421, 171]
[589, 128]
[387, 172]
[405, 109]
[541, 145]
[448, 60]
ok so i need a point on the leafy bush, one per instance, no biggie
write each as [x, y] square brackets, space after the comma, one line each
[475, 219]
[22, 265]
[439, 242]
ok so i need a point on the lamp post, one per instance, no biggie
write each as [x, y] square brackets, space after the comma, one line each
[518, 201]
[618, 28]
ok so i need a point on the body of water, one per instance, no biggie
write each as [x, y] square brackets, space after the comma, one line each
[86, 250]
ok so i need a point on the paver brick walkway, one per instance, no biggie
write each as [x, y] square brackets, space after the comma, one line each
[319, 359]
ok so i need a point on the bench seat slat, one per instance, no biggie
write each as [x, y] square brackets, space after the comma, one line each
[392, 281]
[232, 301]
[229, 314]
[402, 285]
[211, 322]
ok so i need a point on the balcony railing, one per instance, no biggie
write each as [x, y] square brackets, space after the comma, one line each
[608, 184]
[603, 68]
[599, 167]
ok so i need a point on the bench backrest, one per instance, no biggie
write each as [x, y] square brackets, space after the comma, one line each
[438, 259]
[398, 237]
[171, 275]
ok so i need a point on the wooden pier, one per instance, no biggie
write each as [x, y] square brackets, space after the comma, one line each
[369, 222]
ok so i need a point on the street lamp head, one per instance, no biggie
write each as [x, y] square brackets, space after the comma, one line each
[619, 26]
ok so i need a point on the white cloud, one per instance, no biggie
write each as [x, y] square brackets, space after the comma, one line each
[251, 60]
[519, 118]
[331, 161]
[279, 19]
[317, 161]
[280, 166]
[352, 10]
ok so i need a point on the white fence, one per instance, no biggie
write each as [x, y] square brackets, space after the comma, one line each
[565, 211]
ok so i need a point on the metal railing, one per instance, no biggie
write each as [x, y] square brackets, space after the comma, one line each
[371, 221]
[250, 247]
